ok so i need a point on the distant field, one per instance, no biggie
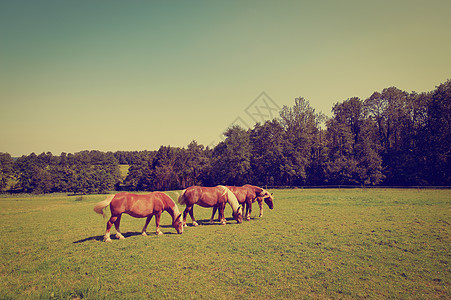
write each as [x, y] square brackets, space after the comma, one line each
[315, 244]
[124, 170]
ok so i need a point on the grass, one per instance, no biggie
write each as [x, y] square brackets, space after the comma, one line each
[316, 244]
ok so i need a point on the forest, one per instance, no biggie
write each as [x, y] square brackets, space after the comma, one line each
[392, 138]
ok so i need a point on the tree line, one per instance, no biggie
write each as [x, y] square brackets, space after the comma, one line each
[80, 173]
[391, 138]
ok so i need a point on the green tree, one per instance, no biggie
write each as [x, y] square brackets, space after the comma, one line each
[195, 164]
[437, 137]
[353, 155]
[268, 157]
[6, 170]
[231, 158]
[302, 128]
[164, 171]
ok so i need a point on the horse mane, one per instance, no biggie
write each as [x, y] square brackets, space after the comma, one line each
[170, 204]
[231, 198]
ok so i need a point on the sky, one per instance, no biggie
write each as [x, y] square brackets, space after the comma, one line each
[136, 75]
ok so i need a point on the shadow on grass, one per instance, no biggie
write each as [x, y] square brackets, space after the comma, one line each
[206, 222]
[99, 238]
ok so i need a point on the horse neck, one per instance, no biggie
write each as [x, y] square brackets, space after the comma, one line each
[172, 209]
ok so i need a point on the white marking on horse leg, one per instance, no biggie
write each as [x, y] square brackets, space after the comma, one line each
[107, 238]
[195, 223]
[119, 235]
[159, 232]
[144, 233]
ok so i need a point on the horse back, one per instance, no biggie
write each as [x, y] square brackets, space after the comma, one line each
[241, 193]
[254, 191]
[204, 196]
[138, 206]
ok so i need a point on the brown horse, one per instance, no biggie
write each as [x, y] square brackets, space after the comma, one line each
[216, 197]
[248, 194]
[138, 206]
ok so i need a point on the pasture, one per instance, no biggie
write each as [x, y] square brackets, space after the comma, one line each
[317, 244]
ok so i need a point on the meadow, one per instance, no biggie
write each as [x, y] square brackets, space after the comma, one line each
[315, 244]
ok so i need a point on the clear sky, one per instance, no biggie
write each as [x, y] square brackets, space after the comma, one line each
[135, 75]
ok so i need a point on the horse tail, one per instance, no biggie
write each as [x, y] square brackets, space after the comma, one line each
[181, 199]
[98, 208]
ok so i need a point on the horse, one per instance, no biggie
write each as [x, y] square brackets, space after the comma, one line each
[139, 206]
[248, 194]
[264, 196]
[216, 197]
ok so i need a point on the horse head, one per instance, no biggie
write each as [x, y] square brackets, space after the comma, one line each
[238, 215]
[178, 224]
[267, 196]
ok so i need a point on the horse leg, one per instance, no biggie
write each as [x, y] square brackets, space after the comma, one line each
[189, 209]
[260, 204]
[191, 213]
[145, 225]
[157, 223]
[248, 210]
[117, 223]
[185, 212]
[110, 223]
[221, 214]
[215, 208]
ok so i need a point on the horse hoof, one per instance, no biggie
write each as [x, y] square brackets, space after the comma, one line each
[107, 240]
[195, 224]
[159, 233]
[248, 218]
[223, 222]
[144, 233]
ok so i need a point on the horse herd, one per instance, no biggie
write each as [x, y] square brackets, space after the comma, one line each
[153, 204]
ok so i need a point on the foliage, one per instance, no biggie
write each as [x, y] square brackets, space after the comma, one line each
[390, 138]
[231, 162]
[80, 173]
[353, 156]
[6, 169]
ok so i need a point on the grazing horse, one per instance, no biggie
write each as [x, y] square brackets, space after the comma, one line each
[216, 197]
[246, 195]
[264, 196]
[138, 206]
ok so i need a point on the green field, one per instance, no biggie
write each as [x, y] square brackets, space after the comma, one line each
[371, 243]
